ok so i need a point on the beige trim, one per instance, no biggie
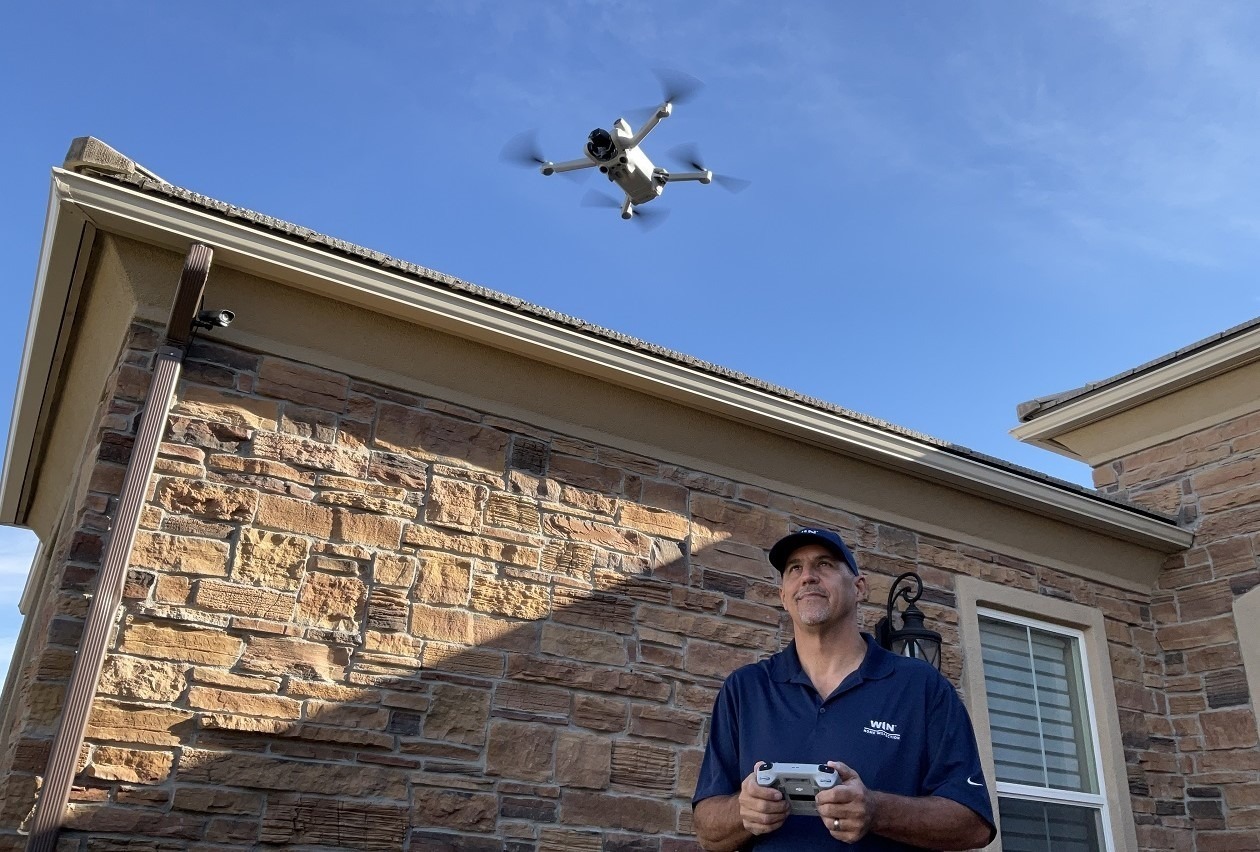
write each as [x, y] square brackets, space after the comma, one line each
[1046, 429]
[1247, 617]
[159, 221]
[971, 594]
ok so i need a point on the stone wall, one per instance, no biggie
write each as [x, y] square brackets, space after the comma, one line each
[357, 618]
[1195, 741]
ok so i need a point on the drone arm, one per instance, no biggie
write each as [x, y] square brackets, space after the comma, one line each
[663, 111]
[704, 177]
[569, 166]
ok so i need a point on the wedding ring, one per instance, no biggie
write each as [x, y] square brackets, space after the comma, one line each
[835, 825]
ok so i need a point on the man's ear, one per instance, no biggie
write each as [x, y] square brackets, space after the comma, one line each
[863, 589]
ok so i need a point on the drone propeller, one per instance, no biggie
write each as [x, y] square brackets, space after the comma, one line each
[523, 150]
[677, 87]
[646, 218]
[689, 155]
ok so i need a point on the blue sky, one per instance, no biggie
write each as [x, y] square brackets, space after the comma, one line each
[955, 207]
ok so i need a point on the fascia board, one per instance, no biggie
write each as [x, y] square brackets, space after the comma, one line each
[1130, 393]
[66, 233]
[160, 221]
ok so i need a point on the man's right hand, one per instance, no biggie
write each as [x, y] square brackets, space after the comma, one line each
[762, 809]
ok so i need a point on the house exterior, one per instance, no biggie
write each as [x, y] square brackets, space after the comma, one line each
[396, 562]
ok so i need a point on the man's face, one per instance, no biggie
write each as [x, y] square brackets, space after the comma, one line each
[818, 588]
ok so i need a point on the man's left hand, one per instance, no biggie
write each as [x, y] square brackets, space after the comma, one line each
[847, 808]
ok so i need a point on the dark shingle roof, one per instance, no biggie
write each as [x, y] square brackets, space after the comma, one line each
[1035, 408]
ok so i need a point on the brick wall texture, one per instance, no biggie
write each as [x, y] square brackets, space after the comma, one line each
[357, 618]
[1191, 731]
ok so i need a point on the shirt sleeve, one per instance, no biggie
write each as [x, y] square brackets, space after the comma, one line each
[720, 774]
[954, 770]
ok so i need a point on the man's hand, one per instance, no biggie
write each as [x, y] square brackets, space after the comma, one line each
[847, 808]
[762, 809]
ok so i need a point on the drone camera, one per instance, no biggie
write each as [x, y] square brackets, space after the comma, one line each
[209, 319]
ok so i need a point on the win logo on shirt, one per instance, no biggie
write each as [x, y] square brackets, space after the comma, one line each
[882, 729]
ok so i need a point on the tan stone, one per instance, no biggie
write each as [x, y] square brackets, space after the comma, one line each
[464, 660]
[595, 533]
[141, 680]
[569, 558]
[643, 767]
[588, 677]
[448, 625]
[244, 600]
[458, 714]
[180, 554]
[113, 721]
[179, 643]
[270, 559]
[345, 715]
[395, 644]
[247, 683]
[268, 468]
[628, 813]
[286, 655]
[519, 751]
[367, 529]
[710, 660]
[583, 760]
[216, 800]
[297, 516]
[303, 384]
[243, 770]
[444, 579]
[389, 569]
[326, 821]
[653, 521]
[505, 634]
[219, 406]
[110, 763]
[454, 504]
[243, 703]
[172, 590]
[1212, 631]
[427, 435]
[507, 510]
[206, 499]
[524, 554]
[664, 723]
[502, 596]
[590, 645]
[455, 809]
[1229, 729]
[336, 603]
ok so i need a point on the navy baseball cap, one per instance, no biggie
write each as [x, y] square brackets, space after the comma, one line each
[785, 546]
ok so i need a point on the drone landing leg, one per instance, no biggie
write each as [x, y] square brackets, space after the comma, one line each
[627, 209]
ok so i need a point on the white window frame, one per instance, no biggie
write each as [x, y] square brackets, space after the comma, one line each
[1054, 795]
[975, 597]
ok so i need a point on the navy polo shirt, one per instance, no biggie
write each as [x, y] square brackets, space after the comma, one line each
[896, 721]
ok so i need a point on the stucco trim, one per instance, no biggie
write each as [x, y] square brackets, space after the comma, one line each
[1247, 620]
[1192, 369]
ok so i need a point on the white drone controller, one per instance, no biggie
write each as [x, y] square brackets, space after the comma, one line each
[798, 782]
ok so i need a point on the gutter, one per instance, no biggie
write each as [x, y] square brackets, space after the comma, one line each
[103, 610]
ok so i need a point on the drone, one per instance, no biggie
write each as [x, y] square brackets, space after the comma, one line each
[618, 154]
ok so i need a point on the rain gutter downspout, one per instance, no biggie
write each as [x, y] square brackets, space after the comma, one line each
[103, 610]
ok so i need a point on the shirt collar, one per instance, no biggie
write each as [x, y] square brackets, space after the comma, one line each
[785, 666]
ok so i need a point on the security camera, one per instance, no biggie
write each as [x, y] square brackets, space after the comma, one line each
[214, 319]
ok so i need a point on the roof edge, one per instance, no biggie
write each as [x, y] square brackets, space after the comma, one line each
[165, 215]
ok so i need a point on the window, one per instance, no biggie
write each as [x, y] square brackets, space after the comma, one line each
[1038, 683]
[1041, 726]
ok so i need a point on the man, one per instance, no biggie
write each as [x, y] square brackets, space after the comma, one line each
[909, 774]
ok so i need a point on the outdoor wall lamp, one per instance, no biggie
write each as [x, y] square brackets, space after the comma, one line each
[913, 639]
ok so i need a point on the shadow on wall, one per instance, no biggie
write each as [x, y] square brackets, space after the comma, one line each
[361, 619]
